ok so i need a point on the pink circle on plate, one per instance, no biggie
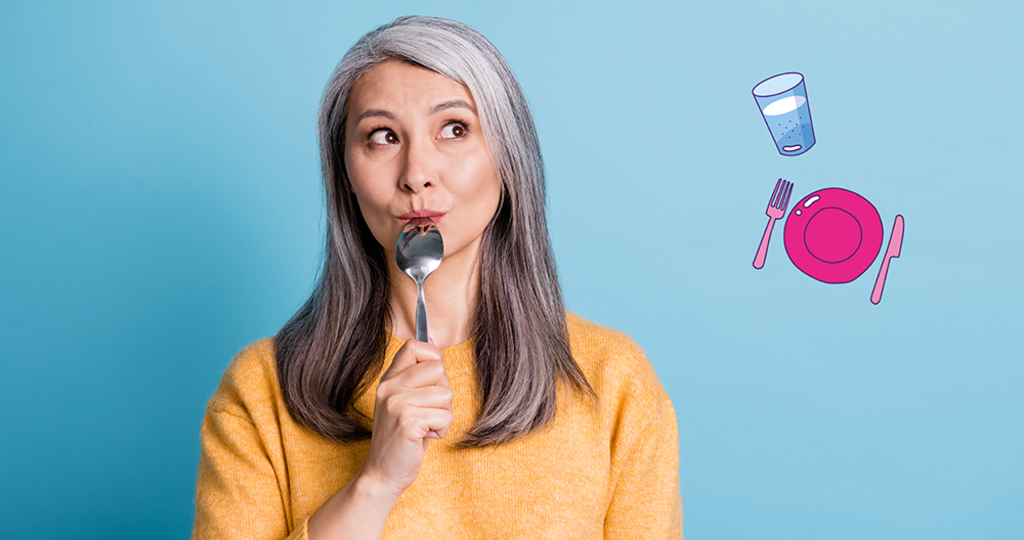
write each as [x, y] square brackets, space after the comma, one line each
[833, 235]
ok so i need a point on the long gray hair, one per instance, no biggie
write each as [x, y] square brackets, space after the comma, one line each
[332, 349]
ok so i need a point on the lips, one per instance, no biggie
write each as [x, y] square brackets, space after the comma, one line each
[421, 217]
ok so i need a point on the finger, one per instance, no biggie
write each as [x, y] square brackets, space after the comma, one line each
[417, 424]
[432, 397]
[437, 420]
[426, 351]
[395, 415]
[429, 373]
[412, 352]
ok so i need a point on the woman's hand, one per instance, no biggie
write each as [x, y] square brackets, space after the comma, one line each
[413, 405]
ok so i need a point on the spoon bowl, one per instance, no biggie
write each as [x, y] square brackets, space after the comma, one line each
[418, 255]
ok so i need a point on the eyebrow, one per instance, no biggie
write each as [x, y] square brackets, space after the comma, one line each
[375, 112]
[443, 106]
[452, 104]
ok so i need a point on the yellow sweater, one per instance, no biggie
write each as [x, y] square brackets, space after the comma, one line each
[597, 471]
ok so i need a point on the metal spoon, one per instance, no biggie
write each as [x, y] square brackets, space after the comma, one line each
[418, 255]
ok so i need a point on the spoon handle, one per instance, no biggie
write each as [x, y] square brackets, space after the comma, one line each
[421, 315]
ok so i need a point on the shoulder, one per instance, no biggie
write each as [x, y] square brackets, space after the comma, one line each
[249, 386]
[614, 364]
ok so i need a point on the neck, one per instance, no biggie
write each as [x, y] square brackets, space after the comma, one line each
[451, 293]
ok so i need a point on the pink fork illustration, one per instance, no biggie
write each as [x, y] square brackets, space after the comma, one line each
[776, 209]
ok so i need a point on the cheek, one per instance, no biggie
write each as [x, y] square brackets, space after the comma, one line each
[362, 183]
[494, 189]
[493, 196]
[485, 188]
[369, 201]
[376, 219]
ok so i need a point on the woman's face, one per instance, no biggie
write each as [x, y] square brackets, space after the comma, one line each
[416, 156]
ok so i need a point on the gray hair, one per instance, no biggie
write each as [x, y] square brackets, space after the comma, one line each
[332, 349]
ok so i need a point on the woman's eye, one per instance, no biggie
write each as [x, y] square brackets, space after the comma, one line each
[383, 137]
[452, 131]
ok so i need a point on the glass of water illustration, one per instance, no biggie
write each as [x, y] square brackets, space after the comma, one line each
[783, 103]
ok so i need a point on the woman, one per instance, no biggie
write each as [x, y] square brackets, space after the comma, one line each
[518, 420]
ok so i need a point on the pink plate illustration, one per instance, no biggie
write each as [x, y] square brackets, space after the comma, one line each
[833, 235]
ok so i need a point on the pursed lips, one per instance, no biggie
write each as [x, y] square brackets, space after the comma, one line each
[421, 217]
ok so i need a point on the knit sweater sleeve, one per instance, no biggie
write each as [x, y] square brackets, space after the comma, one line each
[239, 486]
[646, 501]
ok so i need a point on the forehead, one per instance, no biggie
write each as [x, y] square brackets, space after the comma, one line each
[399, 86]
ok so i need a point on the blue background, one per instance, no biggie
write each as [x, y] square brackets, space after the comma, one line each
[160, 209]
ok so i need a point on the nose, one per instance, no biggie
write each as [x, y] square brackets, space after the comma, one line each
[420, 171]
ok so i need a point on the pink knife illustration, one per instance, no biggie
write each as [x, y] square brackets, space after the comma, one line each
[895, 243]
